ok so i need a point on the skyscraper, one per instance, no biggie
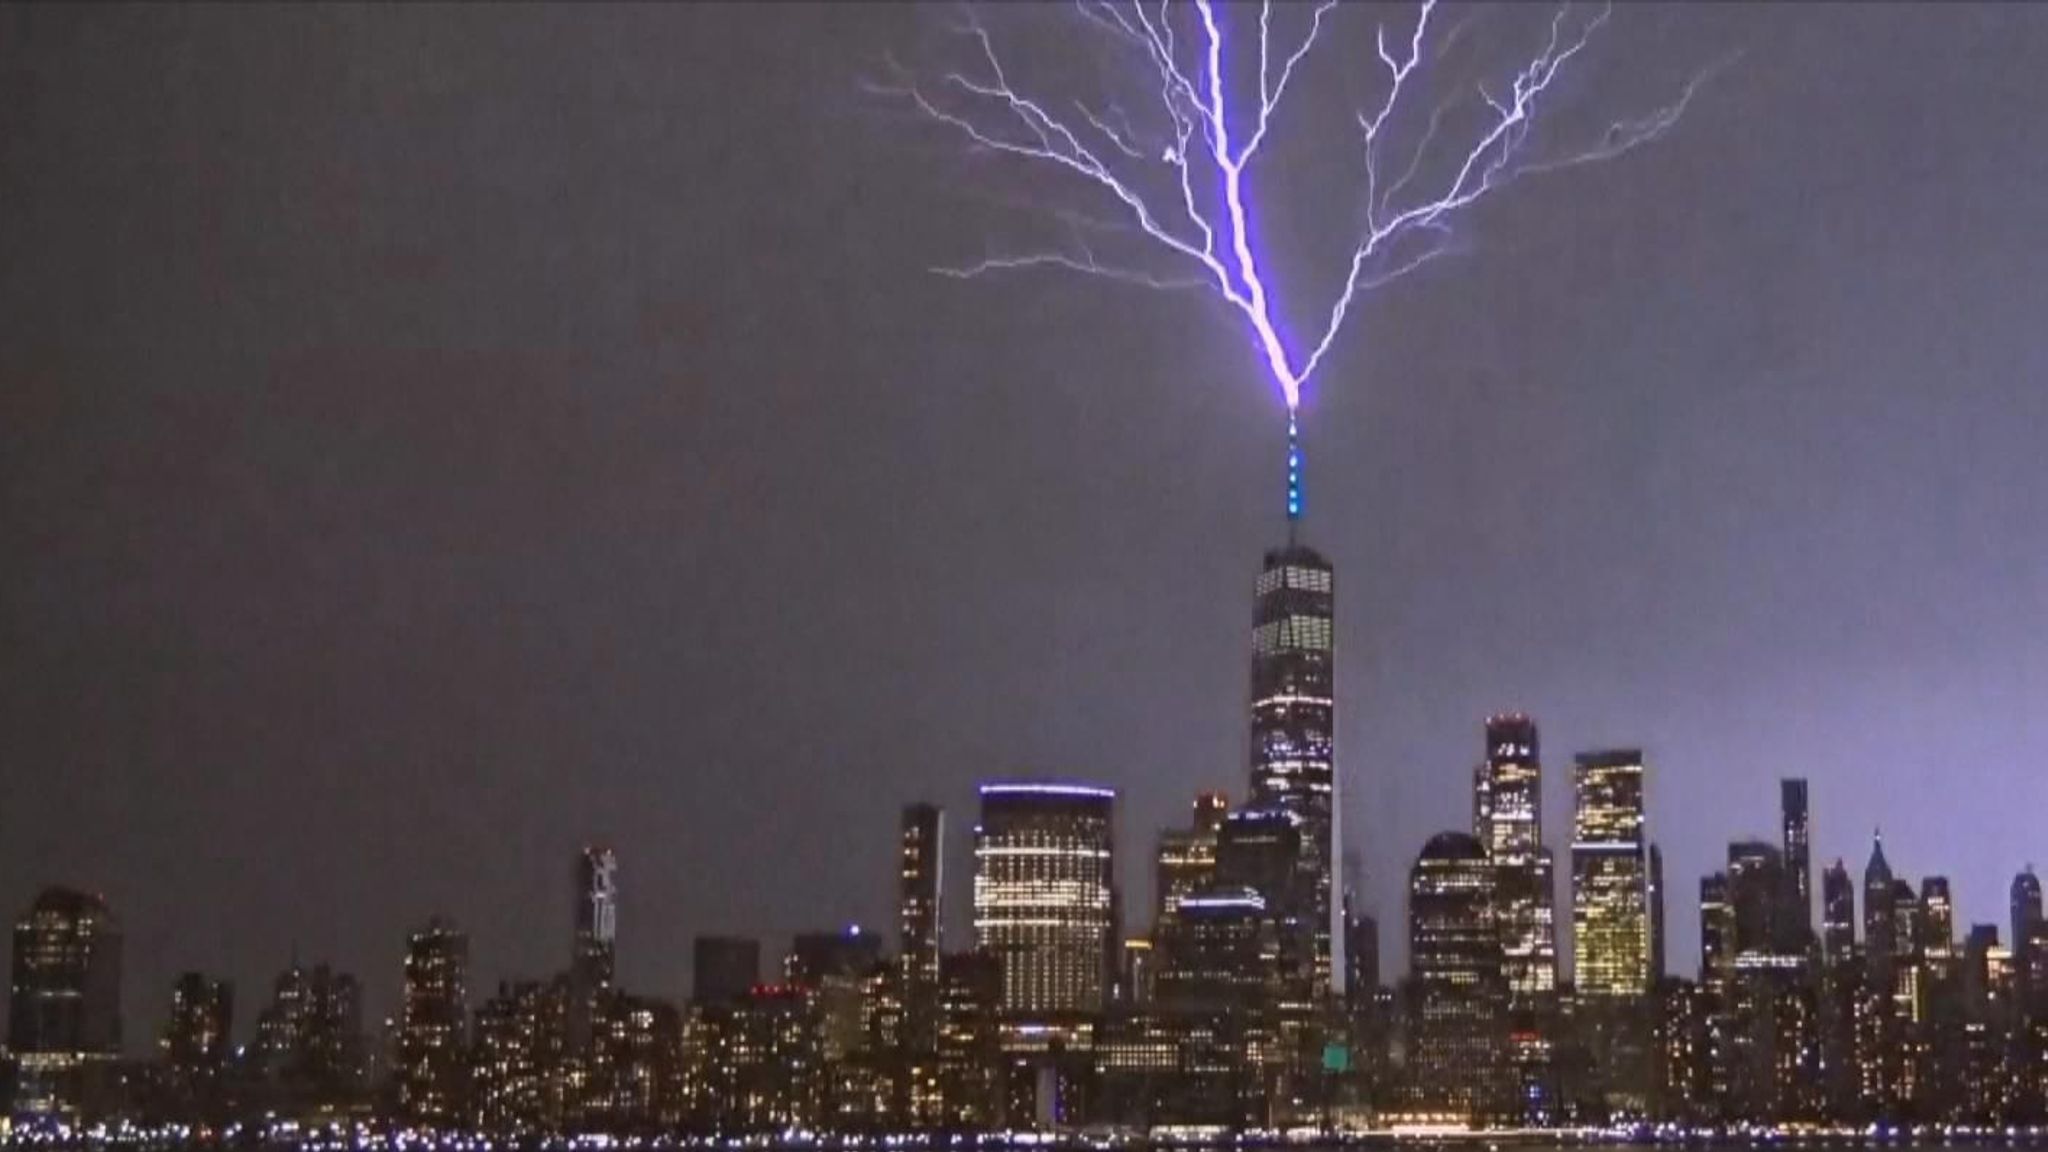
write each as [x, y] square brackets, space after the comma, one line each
[1838, 915]
[592, 960]
[195, 1046]
[920, 901]
[1186, 858]
[2026, 915]
[1610, 881]
[1657, 957]
[64, 1018]
[1879, 939]
[597, 917]
[1797, 845]
[723, 968]
[1510, 804]
[433, 1047]
[1458, 996]
[1937, 940]
[1293, 727]
[1043, 899]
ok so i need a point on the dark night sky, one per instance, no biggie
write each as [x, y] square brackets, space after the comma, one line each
[432, 438]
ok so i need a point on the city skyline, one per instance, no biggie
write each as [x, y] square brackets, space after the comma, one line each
[442, 441]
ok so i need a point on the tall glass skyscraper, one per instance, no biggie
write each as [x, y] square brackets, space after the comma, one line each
[1293, 729]
[1610, 876]
[920, 892]
[1797, 820]
[1044, 904]
[1509, 807]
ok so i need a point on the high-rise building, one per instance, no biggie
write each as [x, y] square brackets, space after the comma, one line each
[1838, 914]
[723, 968]
[1610, 881]
[1510, 801]
[1293, 730]
[1937, 939]
[309, 1045]
[1657, 957]
[597, 918]
[1458, 996]
[1769, 1027]
[433, 1042]
[1797, 845]
[1218, 983]
[64, 1019]
[202, 1019]
[1717, 934]
[195, 1045]
[1187, 856]
[515, 1057]
[1879, 940]
[920, 895]
[2026, 914]
[970, 1010]
[1044, 870]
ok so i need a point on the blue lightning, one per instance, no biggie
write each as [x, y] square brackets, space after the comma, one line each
[1411, 193]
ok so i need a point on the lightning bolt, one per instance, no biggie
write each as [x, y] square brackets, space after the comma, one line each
[1206, 223]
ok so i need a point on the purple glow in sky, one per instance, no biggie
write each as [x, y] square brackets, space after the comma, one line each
[1412, 182]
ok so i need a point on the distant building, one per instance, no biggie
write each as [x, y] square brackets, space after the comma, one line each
[309, 1054]
[593, 959]
[1186, 858]
[1610, 876]
[969, 1049]
[1457, 993]
[1838, 915]
[516, 1056]
[2026, 916]
[724, 968]
[1510, 827]
[920, 896]
[1796, 843]
[1293, 734]
[1043, 894]
[433, 1028]
[195, 1047]
[64, 1018]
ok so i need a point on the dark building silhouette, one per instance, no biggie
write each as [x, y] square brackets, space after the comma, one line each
[1838, 914]
[723, 968]
[433, 1026]
[64, 1017]
[1796, 844]
[593, 957]
[920, 903]
[309, 1056]
[195, 1047]
[1457, 995]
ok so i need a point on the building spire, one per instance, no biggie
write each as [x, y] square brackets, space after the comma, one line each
[1294, 495]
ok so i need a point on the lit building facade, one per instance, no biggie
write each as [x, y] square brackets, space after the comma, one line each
[1509, 801]
[1044, 898]
[195, 1047]
[920, 893]
[1610, 876]
[1457, 995]
[1293, 731]
[433, 1043]
[1796, 840]
[1186, 859]
[64, 1017]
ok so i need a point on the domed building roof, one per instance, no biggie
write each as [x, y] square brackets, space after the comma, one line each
[1451, 846]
